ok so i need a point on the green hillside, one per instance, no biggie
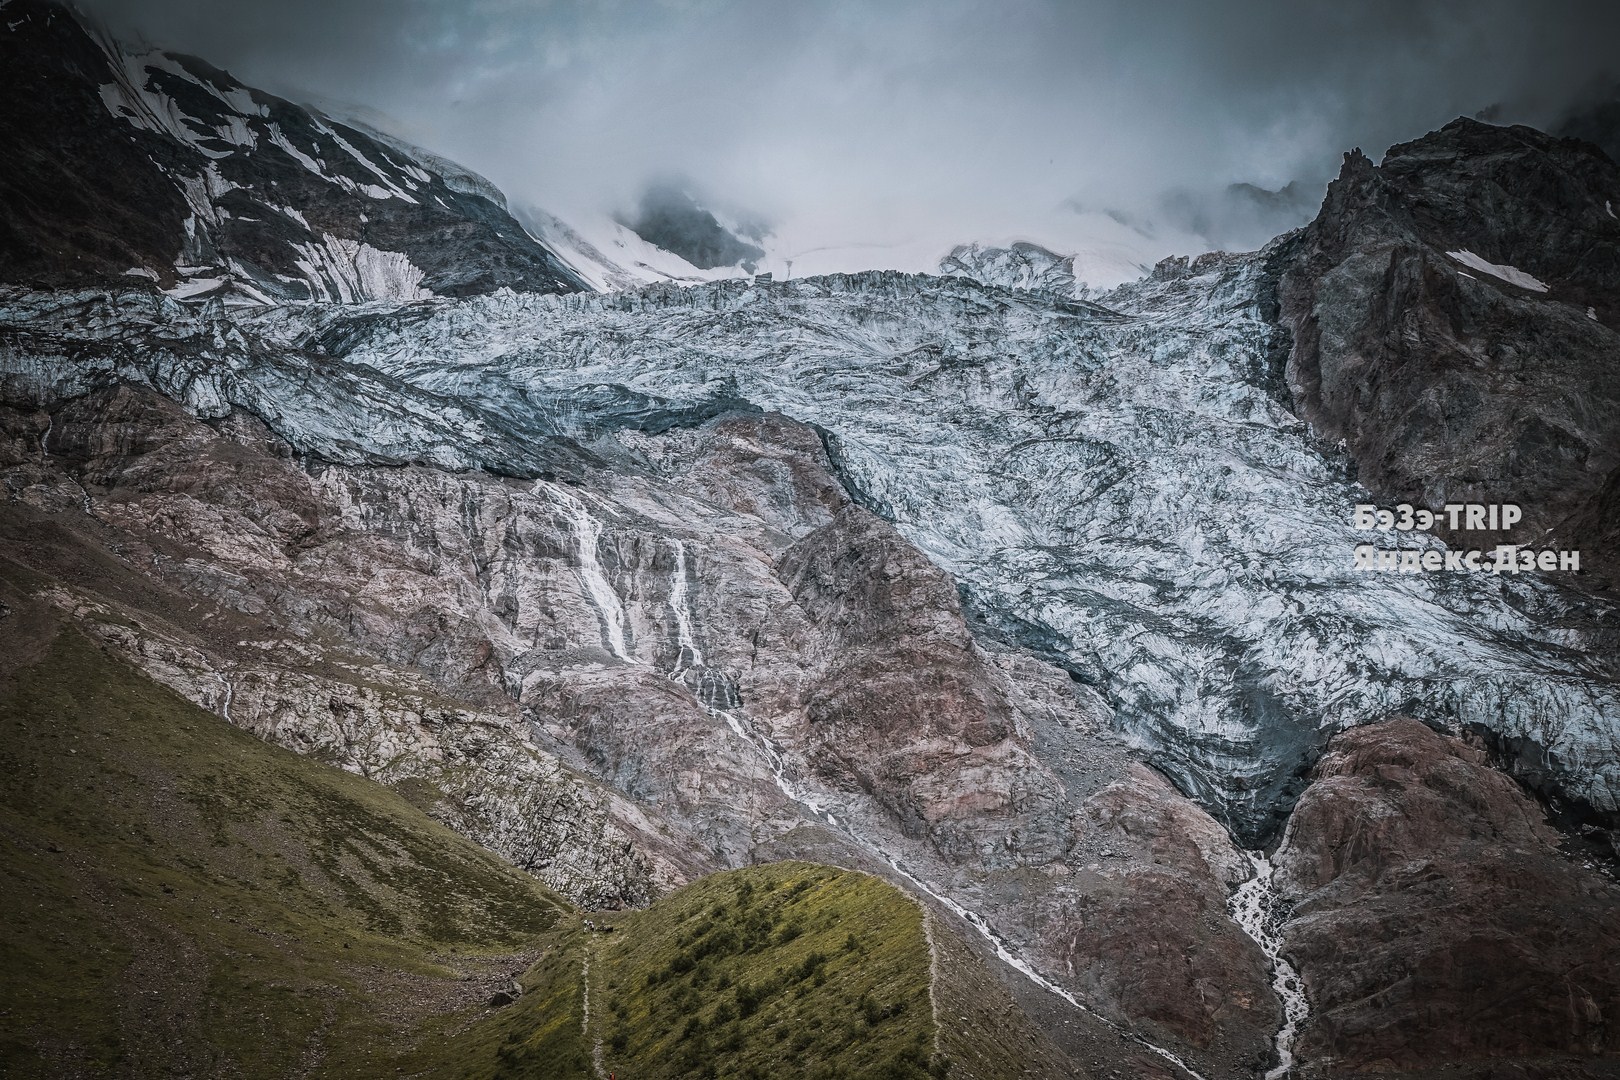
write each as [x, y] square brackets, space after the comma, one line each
[781, 970]
[183, 899]
[186, 900]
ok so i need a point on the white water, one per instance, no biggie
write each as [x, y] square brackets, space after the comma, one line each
[691, 656]
[84, 495]
[1003, 951]
[588, 533]
[230, 694]
[1254, 907]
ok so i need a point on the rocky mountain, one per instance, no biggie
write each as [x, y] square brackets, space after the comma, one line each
[670, 216]
[1456, 318]
[156, 167]
[709, 607]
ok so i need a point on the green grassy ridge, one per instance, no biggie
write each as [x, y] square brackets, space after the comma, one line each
[783, 970]
[183, 897]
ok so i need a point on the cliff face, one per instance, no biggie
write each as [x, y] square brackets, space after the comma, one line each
[1456, 321]
[1474, 938]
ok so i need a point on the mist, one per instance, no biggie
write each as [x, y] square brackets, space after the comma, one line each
[909, 125]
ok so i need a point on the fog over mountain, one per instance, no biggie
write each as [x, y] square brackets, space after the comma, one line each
[908, 127]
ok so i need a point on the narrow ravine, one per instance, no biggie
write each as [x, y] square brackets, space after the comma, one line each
[1256, 906]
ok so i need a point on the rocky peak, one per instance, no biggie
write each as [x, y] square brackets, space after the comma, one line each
[155, 167]
[1456, 321]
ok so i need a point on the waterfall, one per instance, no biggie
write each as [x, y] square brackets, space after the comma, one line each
[690, 655]
[588, 534]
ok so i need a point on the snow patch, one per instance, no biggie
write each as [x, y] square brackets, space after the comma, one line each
[349, 271]
[387, 190]
[195, 287]
[281, 140]
[1510, 274]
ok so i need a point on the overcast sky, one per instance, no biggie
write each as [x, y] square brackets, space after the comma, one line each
[855, 116]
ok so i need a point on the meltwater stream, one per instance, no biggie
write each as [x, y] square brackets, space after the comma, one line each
[1003, 950]
[691, 656]
[1255, 907]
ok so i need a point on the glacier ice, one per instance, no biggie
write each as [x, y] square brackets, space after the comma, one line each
[1123, 488]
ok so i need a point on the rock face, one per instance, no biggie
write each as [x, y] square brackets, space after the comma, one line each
[162, 168]
[1456, 321]
[1435, 920]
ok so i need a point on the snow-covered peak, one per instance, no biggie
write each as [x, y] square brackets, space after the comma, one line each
[215, 190]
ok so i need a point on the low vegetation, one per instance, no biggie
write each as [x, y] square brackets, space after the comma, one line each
[184, 899]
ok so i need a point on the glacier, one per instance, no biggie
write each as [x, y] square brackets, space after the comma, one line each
[1120, 486]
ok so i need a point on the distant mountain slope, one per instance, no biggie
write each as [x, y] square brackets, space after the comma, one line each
[160, 167]
[609, 257]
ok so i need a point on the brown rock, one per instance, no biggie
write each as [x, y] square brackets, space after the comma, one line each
[1435, 921]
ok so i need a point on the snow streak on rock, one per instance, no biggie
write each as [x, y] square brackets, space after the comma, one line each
[1510, 274]
[348, 271]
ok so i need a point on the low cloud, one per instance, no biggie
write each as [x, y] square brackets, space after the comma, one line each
[840, 121]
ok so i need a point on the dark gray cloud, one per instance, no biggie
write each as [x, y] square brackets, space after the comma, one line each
[939, 116]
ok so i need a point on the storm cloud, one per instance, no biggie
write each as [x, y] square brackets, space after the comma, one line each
[941, 120]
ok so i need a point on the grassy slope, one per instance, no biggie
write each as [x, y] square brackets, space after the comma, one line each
[783, 970]
[183, 899]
